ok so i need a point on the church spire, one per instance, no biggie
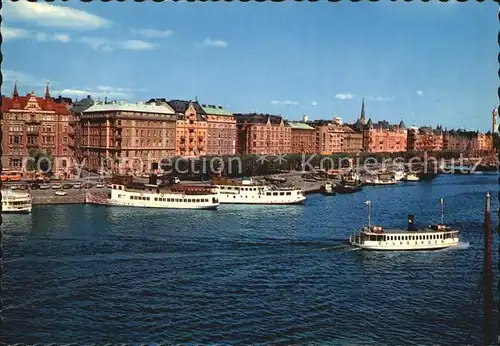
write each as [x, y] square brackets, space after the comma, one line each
[15, 94]
[362, 118]
[47, 93]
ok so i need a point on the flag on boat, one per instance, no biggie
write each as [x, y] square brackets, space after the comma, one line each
[368, 202]
[442, 201]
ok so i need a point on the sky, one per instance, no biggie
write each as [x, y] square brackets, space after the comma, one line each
[424, 63]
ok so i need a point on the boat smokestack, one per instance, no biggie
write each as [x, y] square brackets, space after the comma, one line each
[153, 179]
[411, 222]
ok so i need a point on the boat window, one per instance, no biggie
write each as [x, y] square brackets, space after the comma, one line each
[131, 197]
[288, 193]
[275, 194]
[156, 199]
[282, 193]
[268, 193]
[148, 198]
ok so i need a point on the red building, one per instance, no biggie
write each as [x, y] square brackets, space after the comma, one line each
[425, 139]
[263, 134]
[221, 133]
[33, 123]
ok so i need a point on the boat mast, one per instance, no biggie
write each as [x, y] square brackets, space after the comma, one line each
[442, 211]
[369, 204]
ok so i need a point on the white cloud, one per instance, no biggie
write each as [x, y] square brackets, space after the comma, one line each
[314, 103]
[45, 14]
[136, 45]
[214, 43]
[380, 98]
[287, 102]
[152, 33]
[23, 79]
[420, 93]
[344, 96]
[10, 33]
[105, 45]
[99, 92]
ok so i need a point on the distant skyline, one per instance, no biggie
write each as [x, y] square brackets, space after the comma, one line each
[424, 63]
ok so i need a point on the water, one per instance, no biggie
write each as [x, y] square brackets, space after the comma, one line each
[246, 274]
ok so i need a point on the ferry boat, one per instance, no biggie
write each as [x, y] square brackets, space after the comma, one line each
[434, 237]
[249, 192]
[126, 193]
[16, 202]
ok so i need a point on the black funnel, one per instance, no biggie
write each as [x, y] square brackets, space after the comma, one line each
[411, 222]
[153, 179]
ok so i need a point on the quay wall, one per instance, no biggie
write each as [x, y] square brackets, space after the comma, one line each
[69, 199]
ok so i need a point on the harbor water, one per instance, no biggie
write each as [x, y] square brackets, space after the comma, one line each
[247, 274]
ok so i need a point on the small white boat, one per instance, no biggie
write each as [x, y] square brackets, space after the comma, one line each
[399, 175]
[329, 189]
[376, 181]
[411, 177]
[60, 193]
[16, 202]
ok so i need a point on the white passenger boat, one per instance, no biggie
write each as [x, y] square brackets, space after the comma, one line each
[248, 192]
[16, 202]
[434, 237]
[153, 196]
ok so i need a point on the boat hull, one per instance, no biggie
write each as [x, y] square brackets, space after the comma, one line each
[16, 211]
[425, 247]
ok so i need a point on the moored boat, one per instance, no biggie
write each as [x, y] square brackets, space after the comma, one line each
[249, 192]
[16, 202]
[377, 181]
[347, 188]
[125, 193]
[411, 177]
[328, 189]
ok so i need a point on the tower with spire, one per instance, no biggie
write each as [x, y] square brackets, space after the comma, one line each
[362, 118]
[47, 92]
[15, 94]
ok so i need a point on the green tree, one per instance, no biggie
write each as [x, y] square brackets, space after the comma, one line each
[40, 160]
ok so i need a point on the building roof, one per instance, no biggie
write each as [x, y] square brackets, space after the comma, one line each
[180, 106]
[299, 126]
[254, 118]
[46, 104]
[215, 110]
[129, 107]
[83, 104]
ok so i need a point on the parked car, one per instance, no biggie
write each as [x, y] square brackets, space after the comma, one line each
[100, 185]
[56, 186]
[23, 187]
[86, 185]
[60, 193]
[44, 186]
[67, 186]
[35, 186]
[77, 186]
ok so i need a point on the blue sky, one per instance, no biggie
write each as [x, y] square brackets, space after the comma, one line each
[425, 63]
